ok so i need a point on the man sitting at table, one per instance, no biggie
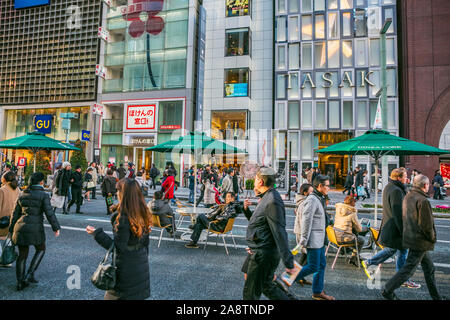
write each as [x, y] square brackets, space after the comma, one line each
[220, 215]
[162, 209]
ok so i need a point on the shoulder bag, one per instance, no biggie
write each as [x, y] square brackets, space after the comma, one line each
[104, 278]
[9, 254]
[56, 200]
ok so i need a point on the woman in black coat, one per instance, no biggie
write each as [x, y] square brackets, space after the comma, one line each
[348, 183]
[27, 227]
[131, 227]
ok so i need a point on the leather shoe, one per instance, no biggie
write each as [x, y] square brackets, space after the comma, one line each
[322, 296]
[389, 296]
[22, 285]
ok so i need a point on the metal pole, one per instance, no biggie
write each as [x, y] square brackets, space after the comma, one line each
[289, 170]
[376, 193]
[66, 154]
[34, 162]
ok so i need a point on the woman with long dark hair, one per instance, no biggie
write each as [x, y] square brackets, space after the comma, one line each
[27, 227]
[131, 227]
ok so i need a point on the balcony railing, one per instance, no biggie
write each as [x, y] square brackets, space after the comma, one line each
[112, 125]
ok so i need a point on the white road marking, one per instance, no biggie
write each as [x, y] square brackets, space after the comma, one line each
[98, 220]
[443, 241]
[441, 226]
[442, 265]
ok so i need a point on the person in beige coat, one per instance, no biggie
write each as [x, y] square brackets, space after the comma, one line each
[347, 226]
[9, 192]
[210, 193]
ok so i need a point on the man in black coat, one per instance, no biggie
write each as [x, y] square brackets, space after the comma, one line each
[77, 185]
[121, 171]
[267, 240]
[63, 183]
[109, 189]
[419, 235]
[154, 172]
[391, 229]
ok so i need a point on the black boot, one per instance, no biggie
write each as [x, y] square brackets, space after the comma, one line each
[20, 274]
[37, 258]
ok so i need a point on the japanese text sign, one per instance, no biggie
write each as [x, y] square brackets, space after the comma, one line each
[141, 117]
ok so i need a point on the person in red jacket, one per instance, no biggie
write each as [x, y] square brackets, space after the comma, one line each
[167, 186]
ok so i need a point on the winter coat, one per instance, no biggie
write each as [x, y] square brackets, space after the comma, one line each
[154, 172]
[222, 213]
[267, 226]
[109, 186]
[419, 232]
[366, 181]
[133, 275]
[191, 182]
[167, 187]
[391, 234]
[349, 181]
[227, 184]
[8, 200]
[346, 219]
[309, 176]
[94, 175]
[63, 182]
[438, 179]
[122, 172]
[299, 199]
[359, 181]
[77, 180]
[27, 223]
[313, 223]
[210, 193]
[235, 184]
[162, 209]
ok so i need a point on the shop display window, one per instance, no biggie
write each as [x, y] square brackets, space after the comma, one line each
[237, 42]
[228, 125]
[237, 82]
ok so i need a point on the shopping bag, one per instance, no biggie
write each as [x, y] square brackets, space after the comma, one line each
[289, 278]
[57, 201]
[110, 200]
[360, 191]
[9, 254]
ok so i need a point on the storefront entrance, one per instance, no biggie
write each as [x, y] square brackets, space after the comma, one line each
[335, 166]
[142, 158]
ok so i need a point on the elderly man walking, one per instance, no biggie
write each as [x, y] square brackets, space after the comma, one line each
[419, 236]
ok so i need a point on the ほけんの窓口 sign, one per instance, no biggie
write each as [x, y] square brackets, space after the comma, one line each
[141, 117]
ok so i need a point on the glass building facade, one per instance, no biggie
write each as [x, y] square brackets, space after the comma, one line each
[327, 75]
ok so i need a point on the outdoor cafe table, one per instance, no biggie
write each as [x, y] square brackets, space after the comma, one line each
[190, 211]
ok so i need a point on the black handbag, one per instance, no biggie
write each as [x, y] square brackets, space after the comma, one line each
[9, 254]
[104, 278]
[4, 222]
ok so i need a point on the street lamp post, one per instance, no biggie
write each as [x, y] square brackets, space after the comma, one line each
[384, 29]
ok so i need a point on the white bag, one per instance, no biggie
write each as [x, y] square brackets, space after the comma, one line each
[57, 201]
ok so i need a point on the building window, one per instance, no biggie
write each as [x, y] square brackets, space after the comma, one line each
[293, 28]
[306, 145]
[375, 78]
[294, 115]
[360, 51]
[281, 29]
[281, 57]
[360, 23]
[361, 111]
[320, 85]
[280, 145]
[307, 5]
[334, 114]
[293, 142]
[281, 115]
[235, 8]
[307, 27]
[391, 83]
[361, 85]
[306, 116]
[228, 125]
[281, 86]
[347, 83]
[389, 12]
[390, 51]
[294, 56]
[347, 115]
[294, 6]
[346, 4]
[306, 56]
[320, 112]
[293, 86]
[319, 26]
[237, 82]
[170, 115]
[319, 5]
[281, 6]
[372, 111]
[332, 4]
[237, 42]
[373, 21]
[320, 56]
[347, 53]
[306, 86]
[333, 53]
[334, 85]
[346, 19]
[333, 25]
[374, 55]
[391, 115]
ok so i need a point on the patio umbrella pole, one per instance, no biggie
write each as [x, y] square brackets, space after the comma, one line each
[376, 192]
[34, 162]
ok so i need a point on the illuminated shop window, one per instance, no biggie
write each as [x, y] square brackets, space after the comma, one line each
[237, 42]
[237, 82]
[228, 125]
[235, 8]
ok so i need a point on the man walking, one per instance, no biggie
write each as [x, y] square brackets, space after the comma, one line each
[63, 183]
[227, 182]
[391, 230]
[94, 174]
[314, 222]
[154, 172]
[109, 190]
[77, 184]
[266, 239]
[419, 235]
[121, 171]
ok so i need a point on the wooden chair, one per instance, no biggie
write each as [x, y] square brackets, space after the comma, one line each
[333, 242]
[228, 229]
[157, 224]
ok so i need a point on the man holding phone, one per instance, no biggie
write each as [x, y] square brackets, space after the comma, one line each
[267, 240]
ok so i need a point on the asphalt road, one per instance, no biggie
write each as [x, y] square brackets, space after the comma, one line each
[180, 273]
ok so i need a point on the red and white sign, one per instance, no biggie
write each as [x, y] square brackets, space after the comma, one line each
[100, 71]
[141, 117]
[98, 109]
[103, 34]
[170, 127]
[22, 162]
[108, 2]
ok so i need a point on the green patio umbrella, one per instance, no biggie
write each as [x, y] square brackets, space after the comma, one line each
[379, 143]
[195, 143]
[35, 141]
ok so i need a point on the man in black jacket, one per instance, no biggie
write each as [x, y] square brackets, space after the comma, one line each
[154, 172]
[109, 189]
[267, 240]
[220, 214]
[76, 179]
[63, 177]
[419, 235]
[121, 171]
[162, 209]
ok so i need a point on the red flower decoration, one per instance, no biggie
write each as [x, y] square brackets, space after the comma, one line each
[154, 25]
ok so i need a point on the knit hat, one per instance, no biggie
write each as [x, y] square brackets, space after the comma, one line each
[66, 164]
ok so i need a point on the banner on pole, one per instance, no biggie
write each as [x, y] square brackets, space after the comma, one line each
[378, 123]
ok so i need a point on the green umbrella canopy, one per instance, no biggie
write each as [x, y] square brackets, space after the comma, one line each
[35, 141]
[194, 142]
[378, 143]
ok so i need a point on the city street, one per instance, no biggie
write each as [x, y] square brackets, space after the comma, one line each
[180, 273]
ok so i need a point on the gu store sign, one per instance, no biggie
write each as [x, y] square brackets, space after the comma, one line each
[141, 117]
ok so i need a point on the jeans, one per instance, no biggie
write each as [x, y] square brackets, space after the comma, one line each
[191, 195]
[201, 223]
[437, 193]
[408, 269]
[385, 254]
[316, 265]
[260, 272]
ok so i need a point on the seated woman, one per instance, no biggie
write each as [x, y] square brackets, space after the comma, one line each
[162, 209]
[346, 221]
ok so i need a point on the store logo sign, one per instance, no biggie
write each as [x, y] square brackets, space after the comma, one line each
[141, 117]
[20, 4]
[85, 135]
[43, 123]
